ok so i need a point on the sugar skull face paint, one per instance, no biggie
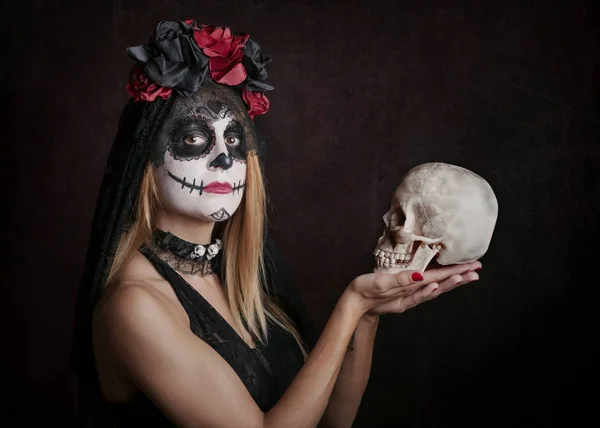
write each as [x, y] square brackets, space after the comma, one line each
[200, 156]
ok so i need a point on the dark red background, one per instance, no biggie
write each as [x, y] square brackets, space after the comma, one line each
[364, 91]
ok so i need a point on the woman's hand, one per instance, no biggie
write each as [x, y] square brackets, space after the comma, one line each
[378, 293]
[431, 287]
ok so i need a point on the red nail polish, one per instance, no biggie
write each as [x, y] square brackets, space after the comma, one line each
[416, 276]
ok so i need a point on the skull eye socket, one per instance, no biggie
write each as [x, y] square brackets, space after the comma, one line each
[397, 218]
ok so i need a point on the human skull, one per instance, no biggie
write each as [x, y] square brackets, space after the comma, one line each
[213, 249]
[437, 209]
[198, 251]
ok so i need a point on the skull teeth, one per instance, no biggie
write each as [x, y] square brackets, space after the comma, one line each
[387, 259]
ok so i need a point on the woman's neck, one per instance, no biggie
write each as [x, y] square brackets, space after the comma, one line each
[187, 228]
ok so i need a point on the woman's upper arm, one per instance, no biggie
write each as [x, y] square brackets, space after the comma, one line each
[184, 377]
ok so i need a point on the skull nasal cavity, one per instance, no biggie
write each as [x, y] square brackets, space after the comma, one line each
[222, 161]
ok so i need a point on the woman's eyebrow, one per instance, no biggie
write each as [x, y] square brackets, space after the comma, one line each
[234, 126]
[191, 120]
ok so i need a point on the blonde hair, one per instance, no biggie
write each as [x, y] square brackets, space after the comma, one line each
[243, 266]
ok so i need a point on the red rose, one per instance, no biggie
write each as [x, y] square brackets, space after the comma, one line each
[225, 53]
[142, 89]
[256, 102]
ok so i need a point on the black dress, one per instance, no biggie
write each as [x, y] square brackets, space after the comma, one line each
[266, 371]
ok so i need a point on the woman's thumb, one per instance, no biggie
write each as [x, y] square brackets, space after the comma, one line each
[416, 276]
[406, 278]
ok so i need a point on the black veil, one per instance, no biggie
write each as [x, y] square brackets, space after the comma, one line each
[138, 125]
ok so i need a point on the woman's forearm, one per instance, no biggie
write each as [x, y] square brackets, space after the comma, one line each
[353, 377]
[305, 400]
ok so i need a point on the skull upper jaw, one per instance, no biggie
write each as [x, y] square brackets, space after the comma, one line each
[419, 260]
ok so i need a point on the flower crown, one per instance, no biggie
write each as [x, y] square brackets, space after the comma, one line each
[183, 57]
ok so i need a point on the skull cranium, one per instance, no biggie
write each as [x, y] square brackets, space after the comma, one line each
[198, 251]
[437, 209]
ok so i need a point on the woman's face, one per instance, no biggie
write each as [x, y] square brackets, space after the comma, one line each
[200, 157]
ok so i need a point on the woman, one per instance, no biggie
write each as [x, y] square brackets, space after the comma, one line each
[184, 315]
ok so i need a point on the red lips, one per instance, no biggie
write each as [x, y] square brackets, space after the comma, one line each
[217, 187]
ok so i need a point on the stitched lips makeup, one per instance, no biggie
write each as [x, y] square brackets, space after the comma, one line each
[218, 187]
[215, 187]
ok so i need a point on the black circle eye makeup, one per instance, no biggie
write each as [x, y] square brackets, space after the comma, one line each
[198, 131]
[191, 138]
[234, 140]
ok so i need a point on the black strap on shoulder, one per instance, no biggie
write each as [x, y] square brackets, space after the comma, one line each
[181, 289]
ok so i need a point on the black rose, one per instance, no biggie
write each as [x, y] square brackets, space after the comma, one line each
[173, 59]
[170, 30]
[255, 64]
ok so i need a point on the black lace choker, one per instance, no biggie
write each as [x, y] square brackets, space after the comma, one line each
[184, 256]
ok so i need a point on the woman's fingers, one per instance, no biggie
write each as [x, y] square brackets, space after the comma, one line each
[419, 292]
[470, 277]
[457, 280]
[385, 284]
[409, 288]
[450, 283]
[414, 280]
[440, 274]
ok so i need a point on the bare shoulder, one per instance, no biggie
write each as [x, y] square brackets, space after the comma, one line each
[138, 267]
[135, 304]
[137, 290]
[132, 301]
